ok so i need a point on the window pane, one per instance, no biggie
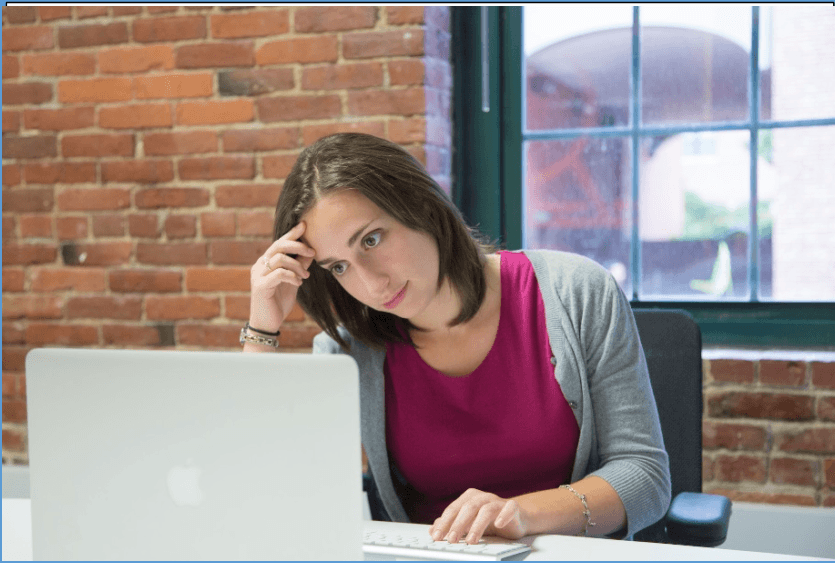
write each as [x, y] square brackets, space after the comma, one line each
[802, 212]
[695, 63]
[797, 40]
[577, 64]
[577, 196]
[693, 215]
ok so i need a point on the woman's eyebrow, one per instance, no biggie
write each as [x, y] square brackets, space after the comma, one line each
[351, 241]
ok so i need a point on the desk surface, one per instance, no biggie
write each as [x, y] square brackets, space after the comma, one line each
[17, 543]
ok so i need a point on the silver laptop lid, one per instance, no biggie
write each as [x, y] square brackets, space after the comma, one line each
[193, 455]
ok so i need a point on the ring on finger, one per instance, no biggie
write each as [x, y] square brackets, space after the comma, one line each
[267, 263]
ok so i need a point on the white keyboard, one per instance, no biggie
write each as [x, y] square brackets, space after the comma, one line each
[421, 547]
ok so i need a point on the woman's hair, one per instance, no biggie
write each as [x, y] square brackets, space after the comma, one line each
[397, 183]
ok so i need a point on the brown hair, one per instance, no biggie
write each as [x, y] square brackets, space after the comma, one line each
[397, 183]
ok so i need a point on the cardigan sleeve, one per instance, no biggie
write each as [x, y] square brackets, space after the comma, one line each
[630, 447]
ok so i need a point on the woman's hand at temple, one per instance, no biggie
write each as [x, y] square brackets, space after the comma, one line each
[476, 513]
[275, 279]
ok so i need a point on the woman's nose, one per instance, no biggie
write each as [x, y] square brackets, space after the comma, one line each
[375, 281]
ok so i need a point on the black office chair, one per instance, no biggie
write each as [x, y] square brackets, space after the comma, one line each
[672, 344]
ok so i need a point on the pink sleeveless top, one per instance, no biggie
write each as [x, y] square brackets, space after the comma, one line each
[506, 428]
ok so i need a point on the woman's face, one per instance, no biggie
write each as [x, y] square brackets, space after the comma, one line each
[379, 261]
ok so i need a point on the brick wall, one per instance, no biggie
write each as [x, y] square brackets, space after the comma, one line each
[144, 149]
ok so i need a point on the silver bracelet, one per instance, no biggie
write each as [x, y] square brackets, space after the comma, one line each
[255, 339]
[586, 511]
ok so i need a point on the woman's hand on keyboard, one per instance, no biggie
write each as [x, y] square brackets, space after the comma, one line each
[477, 513]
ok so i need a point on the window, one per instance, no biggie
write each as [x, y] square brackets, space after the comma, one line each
[655, 178]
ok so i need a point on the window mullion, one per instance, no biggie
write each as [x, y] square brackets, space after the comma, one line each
[754, 106]
[635, 95]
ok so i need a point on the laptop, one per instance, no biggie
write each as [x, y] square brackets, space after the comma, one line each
[176, 455]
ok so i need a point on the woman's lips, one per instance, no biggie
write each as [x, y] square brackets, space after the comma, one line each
[395, 301]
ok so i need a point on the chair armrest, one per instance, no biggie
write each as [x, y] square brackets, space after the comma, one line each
[698, 519]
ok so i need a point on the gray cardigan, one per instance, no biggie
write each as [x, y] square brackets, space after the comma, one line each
[600, 366]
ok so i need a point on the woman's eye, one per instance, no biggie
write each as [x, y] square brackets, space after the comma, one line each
[372, 240]
[338, 269]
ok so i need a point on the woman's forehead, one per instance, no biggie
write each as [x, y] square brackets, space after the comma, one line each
[328, 221]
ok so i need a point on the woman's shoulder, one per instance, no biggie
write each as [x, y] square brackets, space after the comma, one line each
[567, 268]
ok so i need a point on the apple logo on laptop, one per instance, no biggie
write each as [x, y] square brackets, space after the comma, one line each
[184, 484]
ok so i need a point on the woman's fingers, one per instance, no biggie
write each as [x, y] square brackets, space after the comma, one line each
[282, 261]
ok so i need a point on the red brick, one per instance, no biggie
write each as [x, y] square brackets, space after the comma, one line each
[213, 55]
[155, 198]
[11, 175]
[760, 405]
[248, 196]
[27, 38]
[91, 35]
[97, 90]
[178, 254]
[172, 86]
[124, 60]
[256, 223]
[126, 10]
[28, 200]
[297, 108]
[829, 473]
[59, 119]
[109, 225]
[127, 335]
[104, 307]
[387, 102]
[813, 440]
[13, 279]
[740, 468]
[9, 227]
[14, 359]
[278, 166]
[334, 18]
[11, 66]
[13, 333]
[767, 498]
[26, 93]
[214, 113]
[162, 9]
[39, 334]
[59, 64]
[11, 121]
[217, 224]
[707, 469]
[237, 307]
[13, 440]
[98, 145]
[189, 142]
[406, 72]
[208, 336]
[823, 375]
[365, 45]
[101, 254]
[32, 307]
[167, 29]
[13, 411]
[35, 226]
[60, 173]
[49, 13]
[260, 139]
[404, 15]
[145, 281]
[237, 252]
[220, 167]
[826, 408]
[828, 501]
[26, 254]
[93, 199]
[180, 226]
[143, 225]
[137, 116]
[71, 227]
[733, 436]
[406, 131]
[774, 372]
[217, 279]
[312, 133]
[249, 82]
[82, 12]
[299, 336]
[181, 307]
[317, 49]
[142, 171]
[37, 146]
[793, 471]
[344, 76]
[73, 279]
[732, 371]
[21, 14]
[262, 23]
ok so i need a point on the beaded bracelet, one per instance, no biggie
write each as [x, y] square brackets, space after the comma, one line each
[586, 511]
[257, 339]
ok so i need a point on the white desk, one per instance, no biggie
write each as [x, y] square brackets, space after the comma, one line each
[17, 544]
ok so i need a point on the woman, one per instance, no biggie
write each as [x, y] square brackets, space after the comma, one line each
[501, 393]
